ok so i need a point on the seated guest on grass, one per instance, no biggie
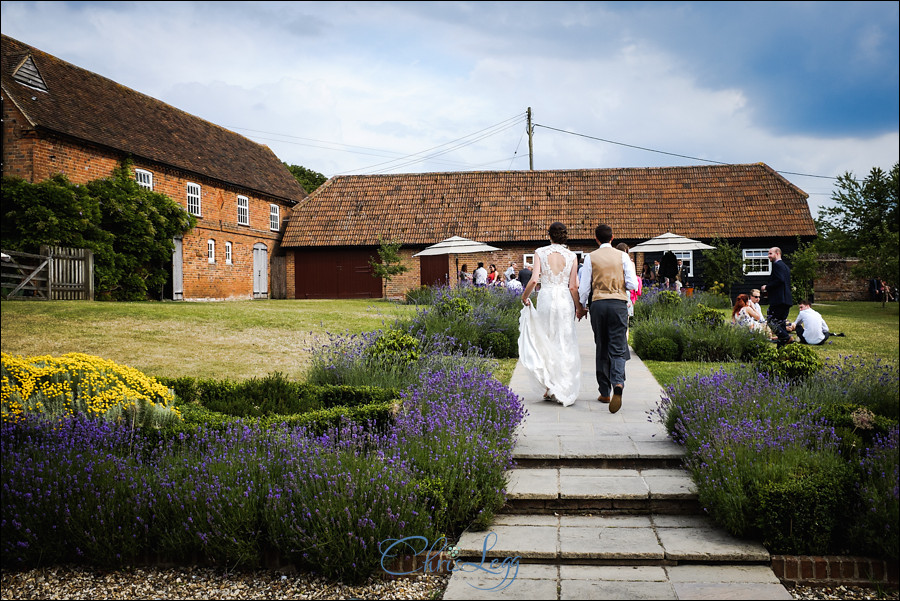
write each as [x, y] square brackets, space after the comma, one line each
[810, 326]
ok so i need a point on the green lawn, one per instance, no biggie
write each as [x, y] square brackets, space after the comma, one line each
[871, 331]
[235, 340]
[245, 339]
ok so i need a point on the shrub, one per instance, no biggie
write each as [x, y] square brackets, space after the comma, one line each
[802, 513]
[794, 362]
[706, 316]
[395, 348]
[76, 383]
[496, 344]
[662, 349]
[643, 333]
[876, 531]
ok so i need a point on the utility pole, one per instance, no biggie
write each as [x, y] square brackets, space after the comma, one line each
[530, 143]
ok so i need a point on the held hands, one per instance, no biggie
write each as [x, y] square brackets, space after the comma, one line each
[580, 312]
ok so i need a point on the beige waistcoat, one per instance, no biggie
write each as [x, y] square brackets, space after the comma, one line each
[607, 274]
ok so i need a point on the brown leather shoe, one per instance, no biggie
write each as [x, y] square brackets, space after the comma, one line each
[615, 403]
[603, 399]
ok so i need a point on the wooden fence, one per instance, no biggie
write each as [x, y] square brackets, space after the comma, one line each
[57, 273]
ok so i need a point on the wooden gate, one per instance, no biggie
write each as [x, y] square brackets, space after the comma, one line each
[57, 273]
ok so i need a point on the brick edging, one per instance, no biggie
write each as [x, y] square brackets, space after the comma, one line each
[834, 570]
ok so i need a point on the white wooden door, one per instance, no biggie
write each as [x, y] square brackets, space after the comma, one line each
[178, 271]
[260, 271]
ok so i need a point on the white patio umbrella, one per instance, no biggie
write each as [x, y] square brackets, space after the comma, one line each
[669, 241]
[456, 245]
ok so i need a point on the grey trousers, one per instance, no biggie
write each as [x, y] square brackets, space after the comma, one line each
[609, 320]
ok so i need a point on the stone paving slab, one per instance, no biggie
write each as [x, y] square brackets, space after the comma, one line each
[604, 589]
[708, 544]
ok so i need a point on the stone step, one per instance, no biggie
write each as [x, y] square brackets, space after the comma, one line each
[634, 540]
[570, 490]
[552, 582]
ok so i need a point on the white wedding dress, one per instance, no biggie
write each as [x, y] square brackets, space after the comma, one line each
[548, 345]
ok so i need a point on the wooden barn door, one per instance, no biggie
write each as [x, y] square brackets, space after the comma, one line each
[434, 270]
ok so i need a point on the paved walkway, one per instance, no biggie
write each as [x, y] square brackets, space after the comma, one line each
[599, 509]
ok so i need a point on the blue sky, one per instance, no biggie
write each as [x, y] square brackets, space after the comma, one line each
[809, 88]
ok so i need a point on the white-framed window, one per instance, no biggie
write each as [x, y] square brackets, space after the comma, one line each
[756, 261]
[528, 258]
[211, 250]
[193, 199]
[228, 253]
[274, 217]
[144, 178]
[687, 261]
[243, 208]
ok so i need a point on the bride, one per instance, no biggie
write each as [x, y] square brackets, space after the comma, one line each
[548, 346]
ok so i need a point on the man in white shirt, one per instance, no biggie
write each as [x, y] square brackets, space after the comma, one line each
[510, 271]
[810, 326]
[479, 278]
[607, 276]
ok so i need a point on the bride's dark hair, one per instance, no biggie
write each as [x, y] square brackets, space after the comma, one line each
[558, 233]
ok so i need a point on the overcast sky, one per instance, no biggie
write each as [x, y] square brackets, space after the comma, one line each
[808, 88]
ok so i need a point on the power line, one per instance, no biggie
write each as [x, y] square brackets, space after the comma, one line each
[683, 156]
[458, 143]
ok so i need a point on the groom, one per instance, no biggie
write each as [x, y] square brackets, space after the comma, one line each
[607, 277]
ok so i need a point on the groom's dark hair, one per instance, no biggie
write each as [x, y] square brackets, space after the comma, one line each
[603, 233]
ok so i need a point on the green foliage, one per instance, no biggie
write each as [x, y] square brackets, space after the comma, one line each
[273, 395]
[662, 349]
[805, 268]
[802, 513]
[453, 306]
[723, 265]
[669, 298]
[390, 263]
[309, 179]
[497, 344]
[794, 362]
[707, 316]
[860, 210]
[395, 347]
[129, 229]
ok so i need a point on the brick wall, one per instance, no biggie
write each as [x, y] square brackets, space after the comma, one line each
[37, 158]
[837, 283]
[834, 570]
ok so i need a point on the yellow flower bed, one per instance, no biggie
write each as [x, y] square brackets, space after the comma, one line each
[79, 383]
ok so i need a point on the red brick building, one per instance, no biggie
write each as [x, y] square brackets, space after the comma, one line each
[333, 233]
[59, 118]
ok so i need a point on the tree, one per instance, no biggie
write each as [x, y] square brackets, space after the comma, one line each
[864, 223]
[309, 179]
[390, 264]
[723, 264]
[129, 229]
[805, 269]
[861, 208]
[880, 261]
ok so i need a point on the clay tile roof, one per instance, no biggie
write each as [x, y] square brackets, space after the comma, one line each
[83, 105]
[730, 201]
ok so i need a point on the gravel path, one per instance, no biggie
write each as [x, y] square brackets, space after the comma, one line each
[68, 582]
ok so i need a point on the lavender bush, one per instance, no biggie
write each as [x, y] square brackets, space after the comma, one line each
[110, 495]
[766, 461]
[354, 360]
